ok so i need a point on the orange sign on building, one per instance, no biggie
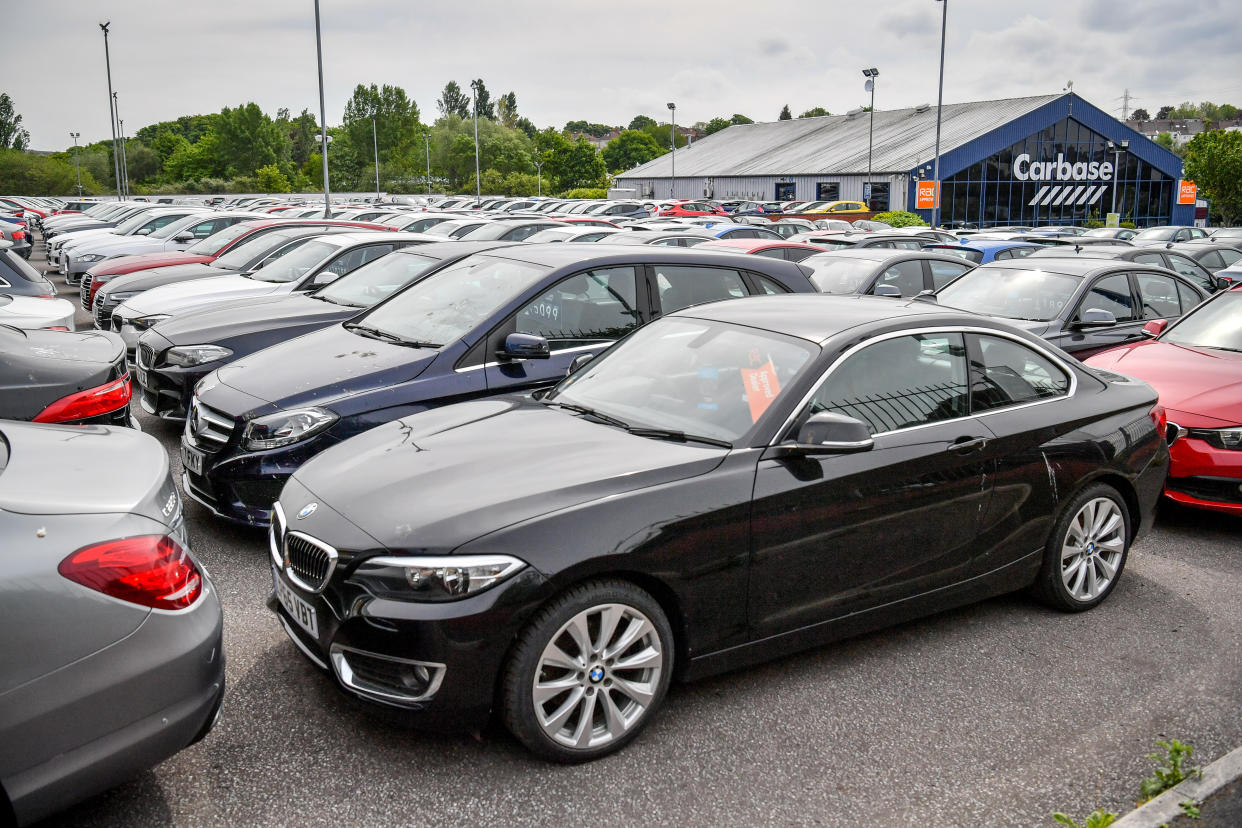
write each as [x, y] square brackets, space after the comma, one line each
[926, 195]
[1186, 192]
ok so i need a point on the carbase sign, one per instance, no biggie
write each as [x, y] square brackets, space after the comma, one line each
[1024, 169]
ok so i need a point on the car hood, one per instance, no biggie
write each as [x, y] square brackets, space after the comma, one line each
[247, 316]
[28, 308]
[199, 293]
[54, 469]
[73, 241]
[144, 261]
[117, 245]
[324, 366]
[439, 479]
[1203, 381]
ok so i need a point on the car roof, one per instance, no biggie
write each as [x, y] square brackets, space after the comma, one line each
[751, 245]
[1069, 265]
[818, 317]
[553, 255]
[985, 245]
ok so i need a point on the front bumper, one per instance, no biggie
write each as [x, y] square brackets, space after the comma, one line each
[439, 662]
[165, 390]
[1205, 477]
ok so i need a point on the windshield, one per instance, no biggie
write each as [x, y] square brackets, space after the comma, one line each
[1156, 234]
[377, 280]
[296, 264]
[704, 378]
[447, 306]
[1216, 324]
[173, 228]
[1035, 295]
[213, 244]
[248, 251]
[1103, 233]
[132, 223]
[839, 275]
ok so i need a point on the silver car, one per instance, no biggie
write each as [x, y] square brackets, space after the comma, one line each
[111, 650]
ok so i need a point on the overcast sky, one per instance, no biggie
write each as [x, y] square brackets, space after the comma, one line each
[603, 62]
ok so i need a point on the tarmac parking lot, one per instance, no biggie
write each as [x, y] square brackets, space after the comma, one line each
[997, 713]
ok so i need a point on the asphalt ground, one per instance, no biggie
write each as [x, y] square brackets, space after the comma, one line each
[994, 714]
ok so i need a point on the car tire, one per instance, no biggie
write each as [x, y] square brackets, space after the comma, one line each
[588, 672]
[1086, 551]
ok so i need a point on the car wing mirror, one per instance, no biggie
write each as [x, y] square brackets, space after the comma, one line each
[1095, 318]
[577, 363]
[887, 290]
[524, 346]
[146, 231]
[184, 236]
[1155, 327]
[828, 432]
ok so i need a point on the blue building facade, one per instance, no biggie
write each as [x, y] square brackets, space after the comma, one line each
[1061, 163]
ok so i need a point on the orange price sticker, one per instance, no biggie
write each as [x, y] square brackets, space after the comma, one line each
[762, 386]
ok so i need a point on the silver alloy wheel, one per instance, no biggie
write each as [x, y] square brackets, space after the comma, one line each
[1092, 549]
[597, 676]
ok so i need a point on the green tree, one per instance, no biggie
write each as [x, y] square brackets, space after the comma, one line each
[190, 162]
[629, 149]
[506, 108]
[738, 118]
[715, 125]
[527, 126]
[396, 123]
[483, 100]
[785, 114]
[1140, 115]
[815, 112]
[1214, 163]
[12, 134]
[588, 128]
[144, 163]
[302, 131]
[271, 180]
[642, 122]
[582, 166]
[247, 139]
[1164, 113]
[453, 101]
[27, 174]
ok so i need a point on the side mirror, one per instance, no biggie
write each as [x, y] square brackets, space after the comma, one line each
[579, 361]
[327, 277]
[184, 236]
[887, 290]
[1155, 327]
[828, 433]
[143, 232]
[1095, 318]
[524, 346]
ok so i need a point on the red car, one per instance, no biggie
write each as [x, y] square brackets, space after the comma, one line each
[204, 251]
[692, 208]
[1195, 365]
[790, 251]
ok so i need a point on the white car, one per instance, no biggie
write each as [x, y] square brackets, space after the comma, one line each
[177, 234]
[311, 265]
[30, 312]
[78, 254]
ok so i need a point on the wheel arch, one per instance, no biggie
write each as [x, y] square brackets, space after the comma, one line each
[1125, 488]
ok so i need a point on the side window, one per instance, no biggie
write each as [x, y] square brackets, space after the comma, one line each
[1212, 260]
[1150, 258]
[1112, 294]
[1229, 256]
[680, 286]
[797, 254]
[205, 228]
[351, 261]
[945, 272]
[909, 244]
[1004, 254]
[771, 253]
[1191, 269]
[595, 306]
[1021, 252]
[905, 276]
[670, 242]
[900, 382]
[1159, 295]
[767, 285]
[1189, 297]
[1004, 372]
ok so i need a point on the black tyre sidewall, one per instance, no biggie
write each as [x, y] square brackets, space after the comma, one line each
[1049, 586]
[517, 702]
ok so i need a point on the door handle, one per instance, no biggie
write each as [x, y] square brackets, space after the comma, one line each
[965, 445]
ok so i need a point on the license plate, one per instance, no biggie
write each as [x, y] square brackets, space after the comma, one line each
[141, 375]
[191, 459]
[299, 610]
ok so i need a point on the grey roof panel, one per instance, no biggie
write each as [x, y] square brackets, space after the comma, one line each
[837, 144]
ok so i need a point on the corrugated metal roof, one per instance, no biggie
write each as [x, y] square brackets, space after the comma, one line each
[837, 144]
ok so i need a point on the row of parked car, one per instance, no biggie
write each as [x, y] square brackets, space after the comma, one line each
[680, 447]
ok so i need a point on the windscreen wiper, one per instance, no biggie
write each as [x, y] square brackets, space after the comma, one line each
[589, 412]
[677, 436]
[385, 336]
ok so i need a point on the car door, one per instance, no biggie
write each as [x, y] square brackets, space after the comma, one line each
[1159, 297]
[582, 313]
[1113, 293]
[842, 533]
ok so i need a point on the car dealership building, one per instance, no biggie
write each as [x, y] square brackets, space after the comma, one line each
[1049, 159]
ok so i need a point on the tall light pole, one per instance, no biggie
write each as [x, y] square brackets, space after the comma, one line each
[116, 162]
[116, 104]
[871, 74]
[672, 142]
[323, 117]
[474, 104]
[375, 142]
[539, 177]
[1117, 168]
[944, 21]
[427, 146]
[76, 168]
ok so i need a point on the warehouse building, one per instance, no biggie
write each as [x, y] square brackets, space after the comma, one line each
[1049, 159]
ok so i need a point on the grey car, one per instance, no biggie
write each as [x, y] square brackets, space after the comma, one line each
[112, 648]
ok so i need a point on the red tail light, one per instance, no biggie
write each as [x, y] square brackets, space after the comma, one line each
[1161, 419]
[89, 403]
[151, 570]
[19, 234]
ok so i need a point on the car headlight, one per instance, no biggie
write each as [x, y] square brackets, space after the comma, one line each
[91, 257]
[286, 427]
[1224, 438]
[144, 322]
[102, 295]
[190, 355]
[435, 578]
